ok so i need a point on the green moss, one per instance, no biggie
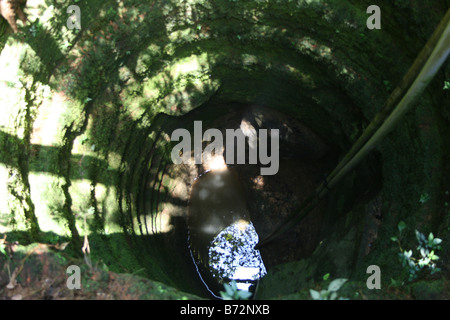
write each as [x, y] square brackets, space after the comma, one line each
[430, 290]
[81, 127]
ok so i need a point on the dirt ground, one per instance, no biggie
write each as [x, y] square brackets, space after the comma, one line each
[39, 272]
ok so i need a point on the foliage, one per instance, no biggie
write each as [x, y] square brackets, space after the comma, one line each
[446, 85]
[36, 28]
[426, 248]
[424, 198]
[232, 293]
[387, 85]
[3, 251]
[331, 292]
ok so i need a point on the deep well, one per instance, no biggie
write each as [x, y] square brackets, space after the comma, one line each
[87, 118]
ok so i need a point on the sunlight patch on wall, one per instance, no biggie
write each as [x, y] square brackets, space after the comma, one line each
[48, 200]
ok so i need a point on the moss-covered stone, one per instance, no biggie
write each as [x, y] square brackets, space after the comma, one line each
[87, 116]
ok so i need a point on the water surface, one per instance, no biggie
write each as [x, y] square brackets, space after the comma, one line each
[221, 235]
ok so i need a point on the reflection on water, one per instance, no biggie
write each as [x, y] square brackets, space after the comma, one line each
[222, 238]
[232, 255]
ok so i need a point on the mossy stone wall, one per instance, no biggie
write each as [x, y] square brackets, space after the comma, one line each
[87, 117]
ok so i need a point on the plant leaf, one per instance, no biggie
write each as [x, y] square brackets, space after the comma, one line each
[2, 250]
[422, 237]
[423, 252]
[244, 294]
[446, 85]
[314, 294]
[234, 286]
[324, 294]
[336, 284]
[225, 296]
[401, 226]
[408, 254]
[229, 289]
[418, 236]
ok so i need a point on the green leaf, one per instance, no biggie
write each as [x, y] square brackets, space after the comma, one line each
[90, 211]
[394, 239]
[420, 237]
[396, 283]
[437, 241]
[423, 252]
[234, 286]
[446, 85]
[430, 237]
[2, 250]
[401, 226]
[417, 235]
[326, 276]
[225, 296]
[244, 294]
[408, 254]
[229, 289]
[423, 262]
[424, 198]
[336, 284]
[314, 294]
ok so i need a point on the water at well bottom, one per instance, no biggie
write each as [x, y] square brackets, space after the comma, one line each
[222, 237]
